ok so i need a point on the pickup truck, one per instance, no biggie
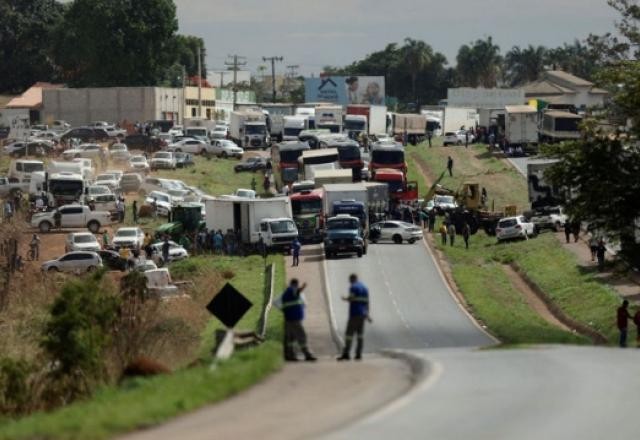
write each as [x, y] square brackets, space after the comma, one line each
[344, 235]
[7, 188]
[72, 216]
[548, 217]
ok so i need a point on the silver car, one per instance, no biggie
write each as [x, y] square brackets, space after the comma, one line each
[81, 241]
[395, 231]
[78, 261]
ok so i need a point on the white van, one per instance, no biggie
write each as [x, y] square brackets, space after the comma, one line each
[21, 170]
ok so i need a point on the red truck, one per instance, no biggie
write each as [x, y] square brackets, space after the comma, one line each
[399, 188]
[307, 208]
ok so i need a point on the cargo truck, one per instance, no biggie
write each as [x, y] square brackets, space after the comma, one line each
[307, 209]
[275, 118]
[559, 126]
[541, 193]
[521, 127]
[459, 118]
[330, 117]
[327, 177]
[367, 119]
[270, 219]
[248, 129]
[346, 198]
[293, 126]
[411, 124]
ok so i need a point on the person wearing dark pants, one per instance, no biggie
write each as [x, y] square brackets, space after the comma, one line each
[134, 208]
[450, 166]
[466, 233]
[567, 231]
[623, 317]
[295, 251]
[292, 305]
[358, 300]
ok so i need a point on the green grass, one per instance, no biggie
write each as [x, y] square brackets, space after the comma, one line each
[478, 271]
[145, 402]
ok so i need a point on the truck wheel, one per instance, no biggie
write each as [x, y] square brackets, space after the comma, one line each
[411, 240]
[91, 269]
[359, 254]
[94, 226]
[225, 155]
[53, 269]
[397, 239]
[44, 227]
[364, 250]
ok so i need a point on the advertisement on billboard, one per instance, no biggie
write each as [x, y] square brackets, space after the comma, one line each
[345, 90]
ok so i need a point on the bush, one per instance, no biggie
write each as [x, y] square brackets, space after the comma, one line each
[76, 335]
[15, 393]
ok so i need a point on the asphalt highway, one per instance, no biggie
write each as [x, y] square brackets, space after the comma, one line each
[411, 306]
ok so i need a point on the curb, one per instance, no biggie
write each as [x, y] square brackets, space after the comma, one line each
[333, 325]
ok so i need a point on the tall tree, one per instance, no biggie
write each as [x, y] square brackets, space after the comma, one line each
[25, 31]
[185, 49]
[417, 55]
[576, 58]
[524, 65]
[116, 42]
[479, 64]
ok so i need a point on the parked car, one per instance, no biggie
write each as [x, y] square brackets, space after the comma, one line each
[251, 164]
[194, 146]
[176, 130]
[78, 261]
[131, 237]
[549, 217]
[226, 148]
[112, 260]
[72, 216]
[101, 124]
[85, 134]
[176, 253]
[246, 193]
[151, 183]
[81, 241]
[130, 182]
[219, 132]
[515, 227]
[115, 132]
[163, 160]
[143, 142]
[31, 148]
[119, 152]
[109, 180]
[184, 160]
[139, 163]
[395, 231]
[162, 200]
[90, 151]
[444, 203]
[457, 137]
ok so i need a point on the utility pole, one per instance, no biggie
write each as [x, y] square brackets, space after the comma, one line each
[237, 62]
[184, 92]
[199, 82]
[273, 73]
[293, 72]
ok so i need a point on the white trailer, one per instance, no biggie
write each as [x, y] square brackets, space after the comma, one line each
[271, 219]
[249, 129]
[293, 126]
[276, 114]
[459, 118]
[329, 116]
[521, 125]
[340, 192]
[377, 119]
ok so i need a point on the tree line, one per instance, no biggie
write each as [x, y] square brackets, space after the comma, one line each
[98, 43]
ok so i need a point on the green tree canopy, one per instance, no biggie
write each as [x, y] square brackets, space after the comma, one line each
[479, 64]
[524, 65]
[116, 42]
[25, 31]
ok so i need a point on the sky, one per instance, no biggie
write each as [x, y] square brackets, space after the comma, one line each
[313, 34]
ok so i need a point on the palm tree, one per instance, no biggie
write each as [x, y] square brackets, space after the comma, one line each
[479, 64]
[524, 65]
[417, 55]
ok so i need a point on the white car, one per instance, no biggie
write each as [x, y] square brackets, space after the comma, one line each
[220, 132]
[98, 190]
[176, 130]
[79, 261]
[163, 202]
[226, 148]
[139, 164]
[163, 160]
[515, 227]
[457, 137]
[444, 203]
[81, 241]
[90, 151]
[114, 132]
[176, 252]
[396, 231]
[248, 193]
[193, 146]
[151, 183]
[129, 237]
[109, 180]
[178, 195]
[119, 152]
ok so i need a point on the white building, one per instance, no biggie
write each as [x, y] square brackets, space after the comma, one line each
[479, 98]
[562, 88]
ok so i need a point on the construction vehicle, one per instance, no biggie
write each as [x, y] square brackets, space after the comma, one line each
[185, 218]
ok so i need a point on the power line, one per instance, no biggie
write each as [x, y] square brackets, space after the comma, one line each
[293, 72]
[273, 73]
[235, 62]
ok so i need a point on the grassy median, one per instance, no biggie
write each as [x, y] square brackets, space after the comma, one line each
[479, 272]
[140, 403]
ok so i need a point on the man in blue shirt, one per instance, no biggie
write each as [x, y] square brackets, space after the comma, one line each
[295, 251]
[292, 305]
[358, 300]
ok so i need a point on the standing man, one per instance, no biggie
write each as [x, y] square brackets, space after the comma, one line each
[451, 230]
[165, 250]
[600, 254]
[35, 247]
[466, 139]
[567, 231]
[623, 317]
[466, 233]
[134, 208]
[295, 251]
[358, 300]
[450, 166]
[636, 321]
[429, 136]
[292, 305]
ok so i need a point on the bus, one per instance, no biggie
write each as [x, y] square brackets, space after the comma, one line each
[387, 156]
[284, 159]
[317, 160]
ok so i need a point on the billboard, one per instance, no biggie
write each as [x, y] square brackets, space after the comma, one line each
[345, 90]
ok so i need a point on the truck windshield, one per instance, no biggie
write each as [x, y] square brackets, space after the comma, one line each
[32, 167]
[255, 129]
[290, 156]
[292, 131]
[69, 189]
[395, 186]
[283, 226]
[306, 206]
[567, 124]
[333, 128]
[349, 153]
[353, 125]
[387, 156]
[347, 223]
